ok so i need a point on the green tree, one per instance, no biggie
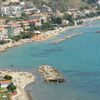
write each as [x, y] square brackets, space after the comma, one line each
[11, 87]
[56, 20]
[16, 38]
[4, 42]
[7, 77]
[69, 18]
[24, 16]
[47, 26]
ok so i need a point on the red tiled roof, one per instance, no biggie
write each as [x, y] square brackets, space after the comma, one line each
[5, 81]
[34, 21]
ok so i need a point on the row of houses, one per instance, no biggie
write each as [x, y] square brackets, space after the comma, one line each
[9, 30]
[14, 28]
[35, 18]
[76, 12]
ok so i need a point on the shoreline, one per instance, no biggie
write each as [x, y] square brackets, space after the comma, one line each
[91, 19]
[14, 44]
[41, 37]
[44, 35]
[21, 80]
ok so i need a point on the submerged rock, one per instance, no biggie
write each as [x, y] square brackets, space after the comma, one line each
[51, 74]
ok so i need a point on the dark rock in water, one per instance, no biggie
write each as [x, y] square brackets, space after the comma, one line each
[97, 31]
[11, 65]
[51, 74]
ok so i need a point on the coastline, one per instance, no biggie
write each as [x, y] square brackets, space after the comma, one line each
[44, 35]
[21, 80]
[14, 44]
[91, 19]
[25, 93]
[41, 37]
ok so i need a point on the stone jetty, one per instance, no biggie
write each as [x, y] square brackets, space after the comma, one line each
[66, 37]
[51, 74]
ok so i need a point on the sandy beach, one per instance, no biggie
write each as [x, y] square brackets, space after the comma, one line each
[21, 80]
[49, 34]
[41, 37]
[14, 44]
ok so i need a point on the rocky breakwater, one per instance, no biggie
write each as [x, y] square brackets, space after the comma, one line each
[51, 74]
[66, 37]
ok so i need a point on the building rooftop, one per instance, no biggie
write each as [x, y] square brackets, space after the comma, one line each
[5, 81]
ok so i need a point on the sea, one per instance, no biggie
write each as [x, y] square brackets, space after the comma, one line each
[78, 58]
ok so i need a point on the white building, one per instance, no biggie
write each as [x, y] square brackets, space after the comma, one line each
[45, 9]
[65, 22]
[5, 10]
[11, 10]
[4, 83]
[3, 32]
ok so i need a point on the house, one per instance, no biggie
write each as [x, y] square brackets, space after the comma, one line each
[45, 9]
[65, 22]
[14, 29]
[31, 10]
[11, 10]
[5, 83]
[3, 32]
[35, 23]
[73, 12]
[35, 20]
[22, 4]
[15, 10]
[25, 24]
[38, 19]
[27, 4]
[3, 29]
[2, 21]
[5, 10]
[86, 11]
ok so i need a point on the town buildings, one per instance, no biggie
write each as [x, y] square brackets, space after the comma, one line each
[31, 15]
[11, 10]
[14, 29]
[37, 19]
[9, 30]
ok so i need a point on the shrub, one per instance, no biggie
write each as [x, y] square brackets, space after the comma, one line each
[7, 77]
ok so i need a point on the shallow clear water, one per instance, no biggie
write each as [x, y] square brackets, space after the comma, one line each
[77, 58]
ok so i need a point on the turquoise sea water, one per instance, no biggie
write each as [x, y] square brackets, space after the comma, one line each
[77, 58]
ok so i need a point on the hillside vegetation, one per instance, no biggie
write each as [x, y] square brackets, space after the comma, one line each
[64, 4]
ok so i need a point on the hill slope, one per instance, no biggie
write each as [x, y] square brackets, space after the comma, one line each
[64, 4]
